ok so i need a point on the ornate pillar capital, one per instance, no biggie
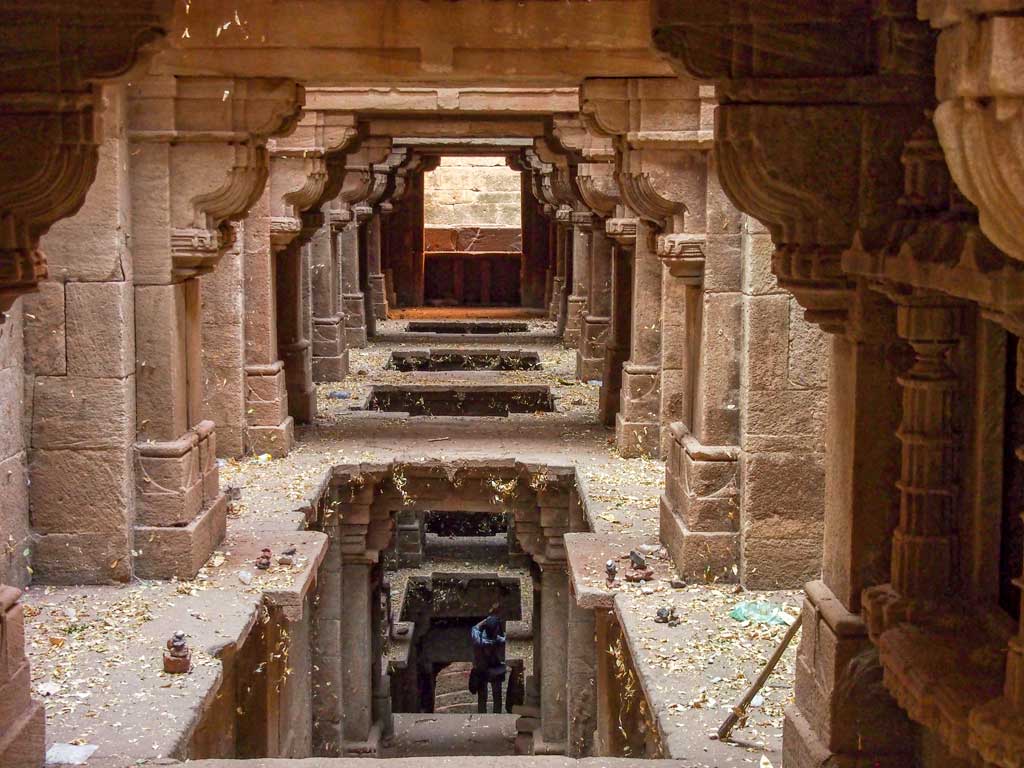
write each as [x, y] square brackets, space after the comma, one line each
[200, 153]
[979, 117]
[812, 120]
[684, 256]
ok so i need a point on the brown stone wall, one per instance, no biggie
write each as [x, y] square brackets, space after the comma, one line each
[783, 405]
[480, 191]
[80, 382]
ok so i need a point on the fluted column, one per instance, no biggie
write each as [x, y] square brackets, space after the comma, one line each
[637, 428]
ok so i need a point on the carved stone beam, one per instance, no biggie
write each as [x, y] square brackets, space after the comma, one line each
[815, 104]
[49, 110]
[199, 161]
[980, 122]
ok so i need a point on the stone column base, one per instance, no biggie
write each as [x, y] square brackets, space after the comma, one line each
[23, 742]
[843, 716]
[270, 428]
[574, 321]
[355, 320]
[379, 296]
[330, 357]
[590, 357]
[637, 428]
[700, 509]
[180, 512]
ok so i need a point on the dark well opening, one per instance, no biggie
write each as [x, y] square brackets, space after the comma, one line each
[474, 327]
[441, 400]
[465, 360]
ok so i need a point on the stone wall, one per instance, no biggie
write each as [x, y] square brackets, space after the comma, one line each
[464, 191]
[783, 405]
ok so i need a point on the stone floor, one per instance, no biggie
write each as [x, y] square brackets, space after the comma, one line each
[95, 653]
[425, 735]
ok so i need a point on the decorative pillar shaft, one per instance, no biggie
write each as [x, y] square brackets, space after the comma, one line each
[620, 332]
[924, 559]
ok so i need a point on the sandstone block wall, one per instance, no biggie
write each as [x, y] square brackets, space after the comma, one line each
[464, 191]
[783, 407]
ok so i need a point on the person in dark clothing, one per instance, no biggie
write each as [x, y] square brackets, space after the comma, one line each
[488, 660]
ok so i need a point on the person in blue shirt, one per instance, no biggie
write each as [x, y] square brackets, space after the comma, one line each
[488, 660]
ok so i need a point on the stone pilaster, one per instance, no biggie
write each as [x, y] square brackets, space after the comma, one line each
[185, 187]
[563, 253]
[352, 301]
[554, 622]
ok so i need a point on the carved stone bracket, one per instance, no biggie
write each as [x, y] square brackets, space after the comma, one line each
[622, 231]
[209, 163]
[50, 106]
[979, 118]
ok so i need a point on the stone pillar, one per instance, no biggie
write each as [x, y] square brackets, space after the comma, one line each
[925, 544]
[375, 278]
[184, 187]
[582, 681]
[269, 426]
[294, 344]
[22, 719]
[380, 683]
[623, 232]
[579, 238]
[554, 606]
[353, 304]
[330, 355]
[597, 320]
[357, 656]
[637, 426]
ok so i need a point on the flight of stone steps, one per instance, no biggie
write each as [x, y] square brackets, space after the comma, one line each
[451, 692]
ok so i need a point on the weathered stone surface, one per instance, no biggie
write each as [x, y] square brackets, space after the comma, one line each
[45, 344]
[82, 558]
[76, 491]
[14, 521]
[180, 552]
[71, 412]
[100, 329]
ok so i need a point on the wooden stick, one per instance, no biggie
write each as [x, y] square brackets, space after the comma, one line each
[737, 711]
